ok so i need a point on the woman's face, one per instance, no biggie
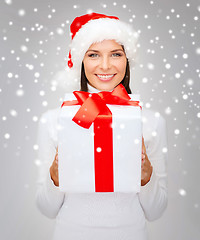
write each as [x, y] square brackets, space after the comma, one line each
[105, 65]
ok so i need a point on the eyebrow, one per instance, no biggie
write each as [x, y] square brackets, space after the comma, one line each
[116, 50]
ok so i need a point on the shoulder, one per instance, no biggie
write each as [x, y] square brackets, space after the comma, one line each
[49, 118]
[151, 116]
[50, 115]
[48, 124]
[153, 123]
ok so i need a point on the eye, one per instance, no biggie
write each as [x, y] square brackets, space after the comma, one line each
[93, 55]
[116, 54]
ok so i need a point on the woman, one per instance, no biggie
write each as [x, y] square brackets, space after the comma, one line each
[103, 49]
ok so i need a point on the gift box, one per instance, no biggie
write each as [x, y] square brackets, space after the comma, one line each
[100, 142]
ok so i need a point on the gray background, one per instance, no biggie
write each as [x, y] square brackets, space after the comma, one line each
[33, 51]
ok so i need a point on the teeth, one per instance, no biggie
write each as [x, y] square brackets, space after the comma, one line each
[105, 76]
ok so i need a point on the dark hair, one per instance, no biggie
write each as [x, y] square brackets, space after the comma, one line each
[125, 82]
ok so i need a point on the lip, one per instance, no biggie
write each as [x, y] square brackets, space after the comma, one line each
[105, 79]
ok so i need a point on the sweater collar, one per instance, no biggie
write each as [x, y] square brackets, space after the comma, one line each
[94, 90]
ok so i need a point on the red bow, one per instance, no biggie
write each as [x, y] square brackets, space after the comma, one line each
[94, 104]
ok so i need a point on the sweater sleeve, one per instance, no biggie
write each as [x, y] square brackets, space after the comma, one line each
[153, 196]
[49, 198]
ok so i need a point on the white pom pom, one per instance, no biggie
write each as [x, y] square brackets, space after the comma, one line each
[67, 80]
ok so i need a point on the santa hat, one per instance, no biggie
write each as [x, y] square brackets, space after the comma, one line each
[95, 27]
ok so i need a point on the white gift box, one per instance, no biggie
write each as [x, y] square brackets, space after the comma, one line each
[76, 149]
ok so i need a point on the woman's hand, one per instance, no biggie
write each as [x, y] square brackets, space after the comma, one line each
[146, 168]
[54, 170]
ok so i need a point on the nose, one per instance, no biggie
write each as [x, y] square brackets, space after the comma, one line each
[105, 63]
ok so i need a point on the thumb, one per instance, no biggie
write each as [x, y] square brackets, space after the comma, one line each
[143, 146]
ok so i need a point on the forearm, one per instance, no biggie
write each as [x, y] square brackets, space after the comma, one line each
[153, 197]
[49, 198]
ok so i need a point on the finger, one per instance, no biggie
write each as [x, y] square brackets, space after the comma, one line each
[143, 162]
[147, 165]
[143, 146]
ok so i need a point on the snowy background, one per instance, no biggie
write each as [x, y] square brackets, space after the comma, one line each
[33, 55]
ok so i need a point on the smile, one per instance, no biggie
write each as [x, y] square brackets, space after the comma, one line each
[105, 77]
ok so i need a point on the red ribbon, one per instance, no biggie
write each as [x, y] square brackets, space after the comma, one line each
[94, 110]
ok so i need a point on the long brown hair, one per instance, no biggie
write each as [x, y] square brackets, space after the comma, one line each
[125, 82]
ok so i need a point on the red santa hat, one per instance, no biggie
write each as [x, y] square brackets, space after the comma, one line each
[95, 27]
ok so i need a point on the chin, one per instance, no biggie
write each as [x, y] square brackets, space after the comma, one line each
[106, 86]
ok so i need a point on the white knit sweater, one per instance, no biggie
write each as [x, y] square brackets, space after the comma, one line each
[103, 216]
